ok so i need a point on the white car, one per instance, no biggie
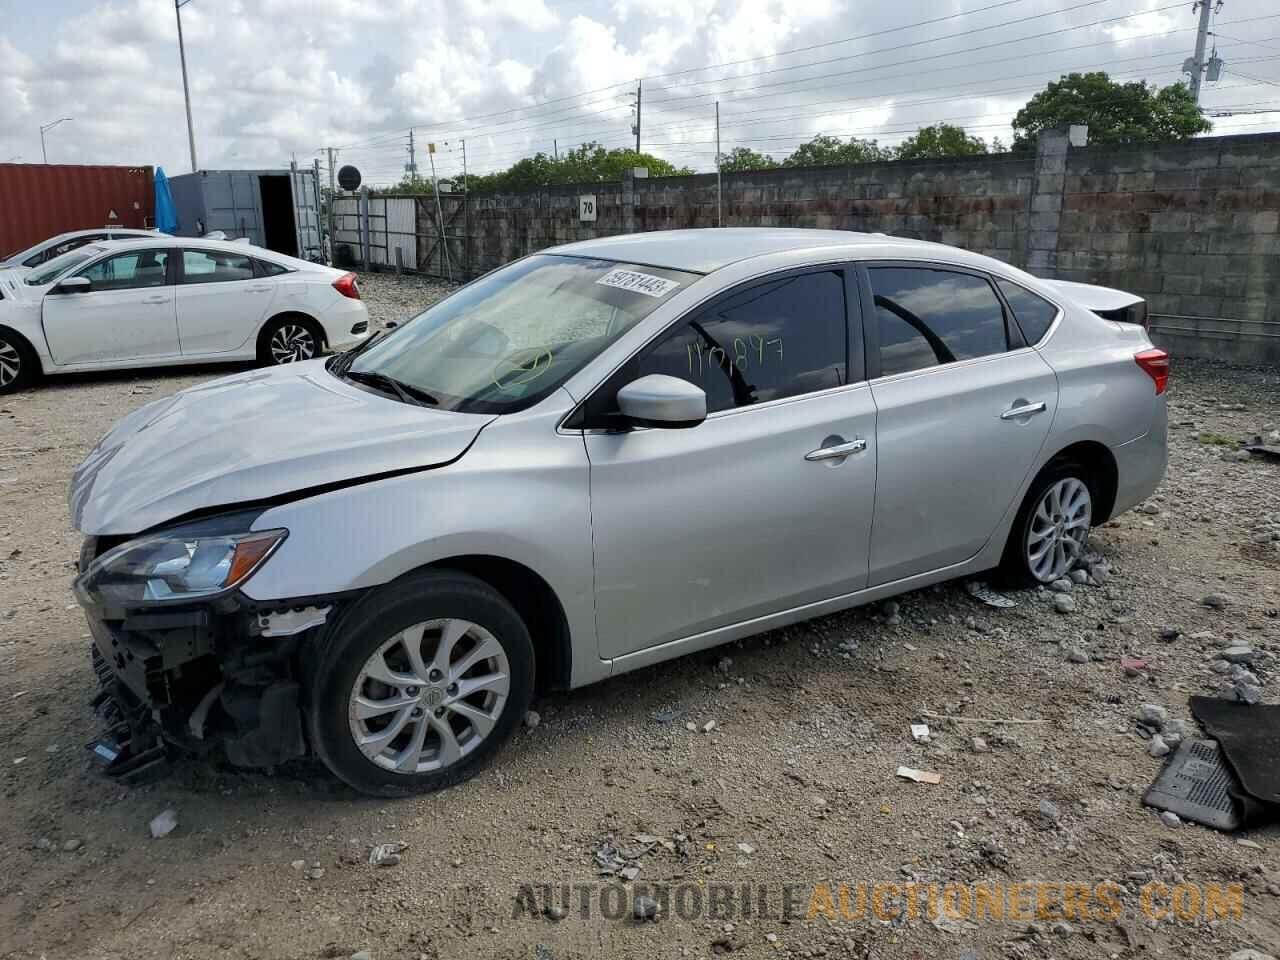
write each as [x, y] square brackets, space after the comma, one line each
[46, 250]
[167, 300]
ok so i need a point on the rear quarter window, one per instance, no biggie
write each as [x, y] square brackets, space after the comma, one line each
[1034, 314]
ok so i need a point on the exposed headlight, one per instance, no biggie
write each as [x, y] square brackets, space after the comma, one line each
[176, 566]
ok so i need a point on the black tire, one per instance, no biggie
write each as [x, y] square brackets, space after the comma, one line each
[267, 355]
[1015, 569]
[371, 623]
[19, 365]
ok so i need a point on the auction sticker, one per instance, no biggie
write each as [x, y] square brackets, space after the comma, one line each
[637, 282]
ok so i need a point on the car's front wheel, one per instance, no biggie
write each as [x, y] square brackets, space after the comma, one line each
[1051, 529]
[421, 685]
[18, 363]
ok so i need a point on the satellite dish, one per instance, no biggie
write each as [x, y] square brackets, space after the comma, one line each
[348, 177]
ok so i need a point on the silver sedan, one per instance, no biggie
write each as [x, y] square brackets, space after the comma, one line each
[599, 457]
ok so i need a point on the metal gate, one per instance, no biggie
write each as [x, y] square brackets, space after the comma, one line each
[402, 233]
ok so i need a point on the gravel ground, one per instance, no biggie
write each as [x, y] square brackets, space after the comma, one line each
[793, 784]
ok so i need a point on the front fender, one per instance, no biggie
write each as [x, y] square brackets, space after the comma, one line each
[521, 493]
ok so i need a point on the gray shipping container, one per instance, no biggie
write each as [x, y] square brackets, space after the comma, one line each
[275, 209]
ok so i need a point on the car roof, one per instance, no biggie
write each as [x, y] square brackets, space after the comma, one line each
[703, 250]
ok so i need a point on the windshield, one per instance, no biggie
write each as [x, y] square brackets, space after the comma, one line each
[507, 340]
[59, 265]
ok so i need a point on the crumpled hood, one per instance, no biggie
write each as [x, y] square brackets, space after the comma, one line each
[250, 437]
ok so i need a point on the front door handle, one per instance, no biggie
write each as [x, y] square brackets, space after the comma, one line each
[259, 289]
[1023, 410]
[156, 300]
[836, 452]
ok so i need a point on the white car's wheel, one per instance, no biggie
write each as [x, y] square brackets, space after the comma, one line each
[18, 363]
[289, 340]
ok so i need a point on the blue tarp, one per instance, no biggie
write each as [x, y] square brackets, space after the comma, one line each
[166, 212]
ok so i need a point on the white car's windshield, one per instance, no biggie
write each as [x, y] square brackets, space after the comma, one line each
[509, 339]
[59, 265]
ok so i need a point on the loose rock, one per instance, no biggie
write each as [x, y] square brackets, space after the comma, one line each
[1153, 715]
[164, 823]
[1170, 819]
[645, 908]
[1063, 603]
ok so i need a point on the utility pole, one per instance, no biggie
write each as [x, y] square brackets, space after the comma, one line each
[555, 148]
[333, 196]
[1195, 66]
[435, 184]
[412, 167]
[719, 202]
[466, 217]
[186, 90]
[636, 131]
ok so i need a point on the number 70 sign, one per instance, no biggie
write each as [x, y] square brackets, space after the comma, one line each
[587, 209]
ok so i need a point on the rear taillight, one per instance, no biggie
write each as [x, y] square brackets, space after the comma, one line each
[1155, 363]
[347, 286]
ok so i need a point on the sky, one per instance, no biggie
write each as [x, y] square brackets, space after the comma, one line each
[280, 80]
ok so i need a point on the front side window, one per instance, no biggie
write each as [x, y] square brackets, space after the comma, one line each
[510, 338]
[1033, 312]
[215, 266]
[774, 340]
[59, 265]
[128, 271]
[929, 317]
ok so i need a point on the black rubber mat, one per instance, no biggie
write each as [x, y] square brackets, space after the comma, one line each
[1250, 740]
[1197, 785]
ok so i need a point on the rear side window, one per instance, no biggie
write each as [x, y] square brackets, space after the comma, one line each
[1033, 312]
[267, 269]
[930, 317]
[214, 266]
[774, 340]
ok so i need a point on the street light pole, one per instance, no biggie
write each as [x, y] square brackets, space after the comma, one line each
[44, 154]
[186, 90]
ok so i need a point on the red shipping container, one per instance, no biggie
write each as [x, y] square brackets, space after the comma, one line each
[38, 201]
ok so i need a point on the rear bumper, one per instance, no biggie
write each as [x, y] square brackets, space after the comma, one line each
[1141, 463]
[341, 319]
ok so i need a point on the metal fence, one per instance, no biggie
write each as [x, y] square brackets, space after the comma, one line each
[403, 233]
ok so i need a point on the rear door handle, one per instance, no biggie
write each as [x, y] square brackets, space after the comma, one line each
[156, 300]
[836, 452]
[259, 289]
[1025, 410]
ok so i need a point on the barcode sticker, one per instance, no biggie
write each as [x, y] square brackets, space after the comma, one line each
[637, 282]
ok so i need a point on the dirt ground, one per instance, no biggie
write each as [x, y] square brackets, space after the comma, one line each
[793, 786]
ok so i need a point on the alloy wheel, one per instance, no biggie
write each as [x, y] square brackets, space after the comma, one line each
[10, 363]
[292, 343]
[429, 696]
[1058, 529]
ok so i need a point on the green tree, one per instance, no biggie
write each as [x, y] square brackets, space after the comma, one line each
[940, 140]
[826, 151]
[744, 158]
[1115, 112]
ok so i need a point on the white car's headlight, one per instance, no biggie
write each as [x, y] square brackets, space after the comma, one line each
[178, 565]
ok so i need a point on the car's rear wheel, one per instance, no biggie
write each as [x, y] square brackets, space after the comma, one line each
[289, 340]
[18, 363]
[423, 683]
[1051, 530]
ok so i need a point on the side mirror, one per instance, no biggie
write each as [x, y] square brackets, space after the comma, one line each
[74, 285]
[661, 401]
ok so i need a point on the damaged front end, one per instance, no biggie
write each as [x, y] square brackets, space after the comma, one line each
[183, 659]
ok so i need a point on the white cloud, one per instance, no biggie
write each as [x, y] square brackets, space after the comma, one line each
[276, 78]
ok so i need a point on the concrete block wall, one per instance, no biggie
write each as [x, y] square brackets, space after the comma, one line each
[1194, 227]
